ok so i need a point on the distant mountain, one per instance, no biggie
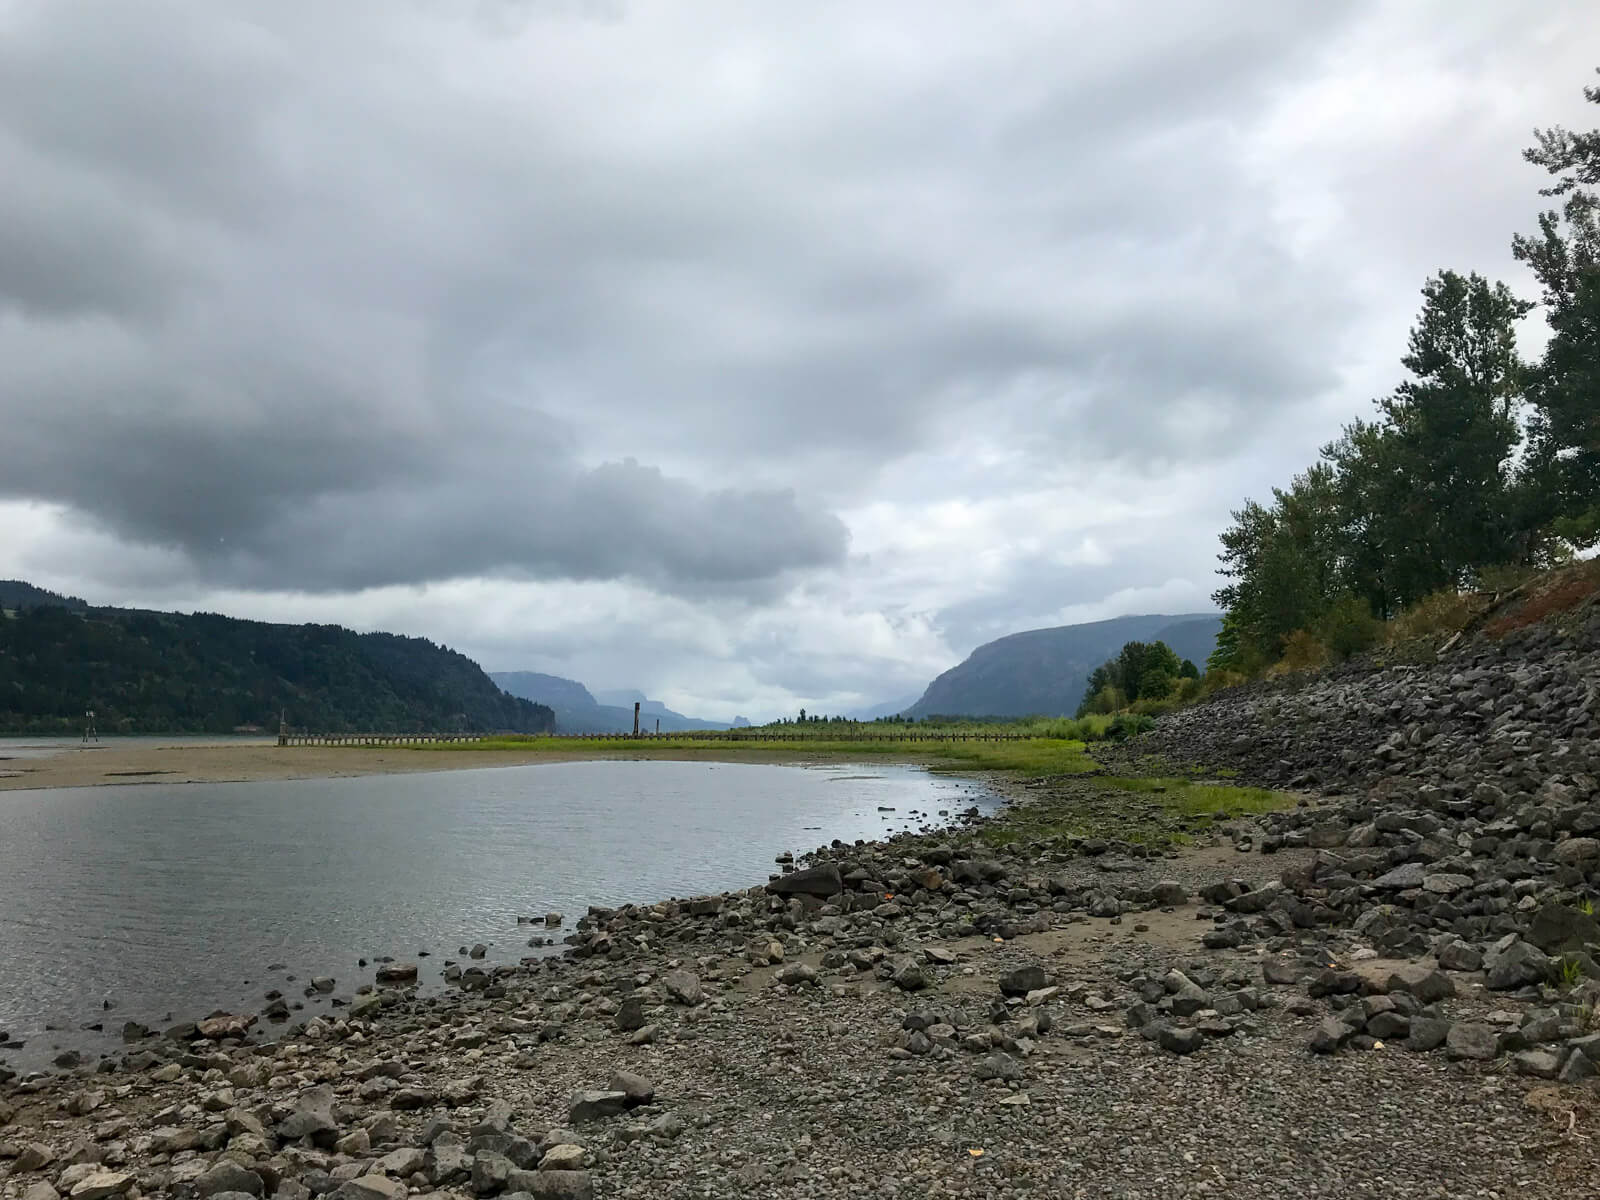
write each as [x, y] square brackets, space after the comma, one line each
[159, 672]
[1044, 672]
[579, 711]
[892, 708]
[17, 594]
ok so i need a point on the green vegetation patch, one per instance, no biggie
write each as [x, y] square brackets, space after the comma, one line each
[1151, 812]
[1033, 756]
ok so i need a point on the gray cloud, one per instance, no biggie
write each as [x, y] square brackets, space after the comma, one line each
[321, 298]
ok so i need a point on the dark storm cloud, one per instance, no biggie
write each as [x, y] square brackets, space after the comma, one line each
[274, 270]
[326, 296]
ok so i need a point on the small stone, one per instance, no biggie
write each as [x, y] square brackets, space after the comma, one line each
[101, 1184]
[1179, 1039]
[636, 1088]
[909, 978]
[1023, 980]
[998, 1066]
[565, 1157]
[591, 1106]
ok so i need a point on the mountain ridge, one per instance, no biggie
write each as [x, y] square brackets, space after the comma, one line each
[577, 710]
[1044, 672]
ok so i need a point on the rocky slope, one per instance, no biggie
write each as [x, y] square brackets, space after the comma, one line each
[1521, 711]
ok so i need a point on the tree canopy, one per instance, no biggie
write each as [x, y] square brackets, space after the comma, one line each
[1476, 459]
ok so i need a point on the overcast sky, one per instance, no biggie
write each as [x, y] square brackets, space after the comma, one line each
[753, 355]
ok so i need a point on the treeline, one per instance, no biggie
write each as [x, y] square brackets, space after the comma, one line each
[149, 672]
[1478, 461]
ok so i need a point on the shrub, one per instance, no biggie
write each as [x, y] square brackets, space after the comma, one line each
[1349, 627]
[1442, 613]
[1302, 651]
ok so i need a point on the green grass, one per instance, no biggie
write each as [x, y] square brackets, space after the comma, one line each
[1035, 756]
[1151, 812]
[1195, 799]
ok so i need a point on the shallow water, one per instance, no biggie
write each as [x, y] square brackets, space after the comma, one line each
[169, 901]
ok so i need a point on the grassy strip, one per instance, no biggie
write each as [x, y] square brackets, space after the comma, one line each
[1152, 812]
[1036, 756]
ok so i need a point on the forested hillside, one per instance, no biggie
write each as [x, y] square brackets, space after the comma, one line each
[169, 672]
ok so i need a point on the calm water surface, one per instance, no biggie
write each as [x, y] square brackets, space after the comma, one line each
[172, 900]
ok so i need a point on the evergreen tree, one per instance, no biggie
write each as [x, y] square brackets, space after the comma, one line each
[1562, 479]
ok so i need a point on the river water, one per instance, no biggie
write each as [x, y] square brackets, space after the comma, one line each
[169, 901]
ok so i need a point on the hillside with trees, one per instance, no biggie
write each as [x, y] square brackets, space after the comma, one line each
[155, 672]
[1478, 466]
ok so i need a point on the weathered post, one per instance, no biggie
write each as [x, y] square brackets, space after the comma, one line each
[635, 718]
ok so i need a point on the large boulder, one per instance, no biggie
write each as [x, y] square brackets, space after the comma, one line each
[822, 880]
[1513, 963]
[1559, 928]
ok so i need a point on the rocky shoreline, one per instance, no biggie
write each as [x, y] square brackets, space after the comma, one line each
[1386, 991]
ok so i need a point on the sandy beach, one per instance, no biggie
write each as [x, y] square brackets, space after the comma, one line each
[110, 765]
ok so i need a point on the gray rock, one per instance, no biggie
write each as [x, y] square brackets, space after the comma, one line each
[1180, 1040]
[1541, 1064]
[34, 1156]
[909, 978]
[409, 1099]
[683, 987]
[560, 1185]
[490, 1172]
[226, 1175]
[1421, 981]
[1472, 1040]
[43, 1191]
[100, 1185]
[1169, 893]
[592, 1106]
[998, 1066]
[636, 1088]
[397, 973]
[798, 975]
[1578, 850]
[312, 1118]
[1445, 884]
[1329, 1035]
[403, 1162]
[1427, 1033]
[1513, 963]
[1460, 956]
[823, 880]
[1402, 878]
[371, 1187]
[1281, 971]
[630, 1015]
[1560, 928]
[1024, 980]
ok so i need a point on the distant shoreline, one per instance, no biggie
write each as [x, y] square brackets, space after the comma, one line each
[110, 765]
